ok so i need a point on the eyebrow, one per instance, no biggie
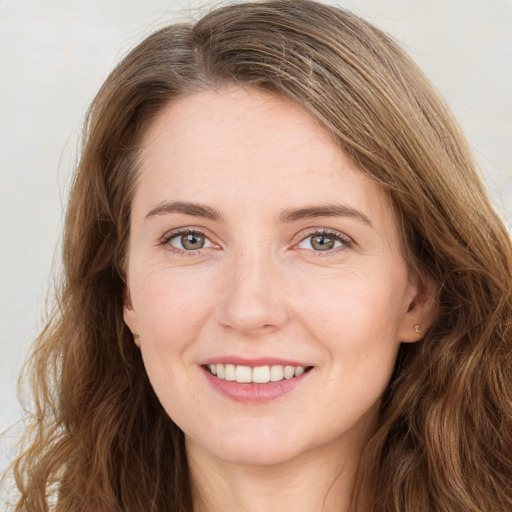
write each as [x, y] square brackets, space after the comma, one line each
[287, 216]
[197, 210]
[328, 210]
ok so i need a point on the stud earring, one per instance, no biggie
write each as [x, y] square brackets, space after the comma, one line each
[136, 335]
[417, 328]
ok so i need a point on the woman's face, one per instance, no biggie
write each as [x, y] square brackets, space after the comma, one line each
[260, 253]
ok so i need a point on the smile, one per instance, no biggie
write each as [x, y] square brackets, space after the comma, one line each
[257, 374]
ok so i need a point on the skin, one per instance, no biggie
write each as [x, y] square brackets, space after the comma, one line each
[259, 288]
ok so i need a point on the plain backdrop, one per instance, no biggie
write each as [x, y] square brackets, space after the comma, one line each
[54, 55]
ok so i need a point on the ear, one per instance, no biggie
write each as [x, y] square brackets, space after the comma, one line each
[130, 316]
[421, 311]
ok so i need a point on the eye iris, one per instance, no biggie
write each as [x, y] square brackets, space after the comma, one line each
[192, 241]
[322, 243]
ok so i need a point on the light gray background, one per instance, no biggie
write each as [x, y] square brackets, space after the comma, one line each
[54, 55]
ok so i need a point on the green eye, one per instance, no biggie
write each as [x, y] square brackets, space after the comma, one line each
[188, 241]
[324, 241]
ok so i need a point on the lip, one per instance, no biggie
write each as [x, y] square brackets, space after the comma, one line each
[251, 393]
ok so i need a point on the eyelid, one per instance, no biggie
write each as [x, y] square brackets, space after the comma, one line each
[165, 240]
[347, 241]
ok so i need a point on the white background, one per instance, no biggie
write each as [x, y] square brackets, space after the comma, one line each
[54, 55]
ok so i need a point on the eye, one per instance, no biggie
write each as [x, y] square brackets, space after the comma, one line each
[189, 240]
[323, 241]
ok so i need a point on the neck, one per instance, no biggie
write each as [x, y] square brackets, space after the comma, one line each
[310, 482]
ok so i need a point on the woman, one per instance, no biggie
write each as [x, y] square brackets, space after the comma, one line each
[284, 285]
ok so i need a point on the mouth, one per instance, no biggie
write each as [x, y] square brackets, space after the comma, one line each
[255, 374]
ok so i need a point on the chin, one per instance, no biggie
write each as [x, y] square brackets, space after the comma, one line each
[251, 447]
[256, 455]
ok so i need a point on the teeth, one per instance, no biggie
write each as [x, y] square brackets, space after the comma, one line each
[257, 375]
[230, 372]
[299, 371]
[288, 372]
[276, 373]
[261, 374]
[243, 374]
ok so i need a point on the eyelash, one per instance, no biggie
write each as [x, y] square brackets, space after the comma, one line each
[166, 240]
[346, 242]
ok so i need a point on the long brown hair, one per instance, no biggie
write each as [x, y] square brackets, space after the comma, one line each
[99, 439]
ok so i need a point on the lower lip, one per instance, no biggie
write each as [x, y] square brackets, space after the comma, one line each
[254, 393]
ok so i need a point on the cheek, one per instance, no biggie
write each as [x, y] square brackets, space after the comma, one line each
[172, 309]
[354, 303]
[357, 328]
[170, 302]
[356, 319]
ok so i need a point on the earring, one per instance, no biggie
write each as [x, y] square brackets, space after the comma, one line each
[417, 328]
[136, 335]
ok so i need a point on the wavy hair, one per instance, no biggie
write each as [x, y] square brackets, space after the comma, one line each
[100, 441]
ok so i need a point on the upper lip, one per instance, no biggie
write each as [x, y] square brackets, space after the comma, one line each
[260, 361]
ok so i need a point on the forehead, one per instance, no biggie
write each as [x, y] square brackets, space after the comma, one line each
[238, 119]
[242, 143]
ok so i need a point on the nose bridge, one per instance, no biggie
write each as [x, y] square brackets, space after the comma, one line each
[252, 298]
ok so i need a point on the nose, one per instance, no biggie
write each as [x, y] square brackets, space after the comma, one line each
[253, 297]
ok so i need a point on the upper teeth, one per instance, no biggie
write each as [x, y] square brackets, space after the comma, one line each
[257, 374]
